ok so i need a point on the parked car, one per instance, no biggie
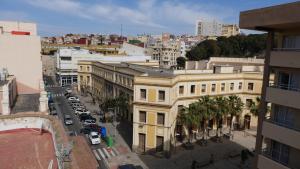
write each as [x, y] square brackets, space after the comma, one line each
[81, 110]
[68, 120]
[73, 98]
[90, 128]
[68, 90]
[88, 122]
[84, 116]
[76, 106]
[94, 138]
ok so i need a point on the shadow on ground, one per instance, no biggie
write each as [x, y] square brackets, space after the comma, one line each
[225, 155]
[125, 130]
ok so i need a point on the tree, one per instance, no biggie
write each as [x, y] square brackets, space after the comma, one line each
[189, 117]
[181, 62]
[221, 110]
[233, 46]
[206, 108]
[235, 107]
[254, 106]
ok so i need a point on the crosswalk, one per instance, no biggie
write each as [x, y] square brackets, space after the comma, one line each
[105, 153]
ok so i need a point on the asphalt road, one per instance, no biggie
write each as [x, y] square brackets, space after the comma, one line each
[63, 108]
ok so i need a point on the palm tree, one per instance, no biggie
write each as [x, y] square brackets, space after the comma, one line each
[235, 107]
[221, 110]
[254, 106]
[206, 108]
[189, 118]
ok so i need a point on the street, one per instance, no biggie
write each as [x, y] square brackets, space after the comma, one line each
[63, 108]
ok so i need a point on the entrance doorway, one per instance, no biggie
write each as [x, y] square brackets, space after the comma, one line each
[142, 142]
[247, 120]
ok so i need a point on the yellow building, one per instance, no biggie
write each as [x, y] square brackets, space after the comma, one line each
[280, 130]
[156, 95]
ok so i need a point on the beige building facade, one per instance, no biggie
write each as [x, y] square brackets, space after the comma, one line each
[157, 95]
[280, 129]
[20, 49]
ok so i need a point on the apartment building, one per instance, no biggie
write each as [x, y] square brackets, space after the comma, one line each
[166, 53]
[156, 95]
[216, 29]
[20, 48]
[279, 130]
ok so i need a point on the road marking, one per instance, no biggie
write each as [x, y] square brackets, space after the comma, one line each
[115, 150]
[106, 152]
[112, 152]
[101, 153]
[96, 155]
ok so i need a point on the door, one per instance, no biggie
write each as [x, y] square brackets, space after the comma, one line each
[247, 120]
[159, 143]
[142, 142]
[284, 80]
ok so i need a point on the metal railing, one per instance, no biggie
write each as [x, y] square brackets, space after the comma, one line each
[286, 49]
[270, 155]
[283, 124]
[285, 87]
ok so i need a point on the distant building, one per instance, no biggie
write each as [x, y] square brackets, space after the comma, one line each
[216, 29]
[131, 50]
[278, 134]
[67, 62]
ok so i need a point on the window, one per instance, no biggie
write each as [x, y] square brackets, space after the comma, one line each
[143, 94]
[250, 86]
[161, 95]
[231, 86]
[280, 152]
[88, 68]
[81, 78]
[80, 68]
[240, 85]
[192, 89]
[88, 79]
[160, 118]
[213, 87]
[143, 116]
[203, 88]
[222, 87]
[248, 102]
[181, 89]
[66, 58]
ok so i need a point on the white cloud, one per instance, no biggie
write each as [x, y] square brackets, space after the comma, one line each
[147, 13]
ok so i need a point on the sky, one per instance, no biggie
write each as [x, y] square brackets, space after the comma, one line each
[58, 17]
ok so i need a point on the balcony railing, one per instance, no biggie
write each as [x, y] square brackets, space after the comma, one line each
[286, 49]
[282, 124]
[285, 87]
[280, 157]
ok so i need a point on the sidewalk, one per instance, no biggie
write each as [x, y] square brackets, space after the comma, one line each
[125, 156]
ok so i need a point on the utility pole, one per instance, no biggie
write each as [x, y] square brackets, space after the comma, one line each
[121, 30]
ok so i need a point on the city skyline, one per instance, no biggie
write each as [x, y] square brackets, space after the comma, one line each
[137, 17]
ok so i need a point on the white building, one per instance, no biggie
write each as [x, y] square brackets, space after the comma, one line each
[67, 62]
[131, 50]
[208, 28]
[215, 29]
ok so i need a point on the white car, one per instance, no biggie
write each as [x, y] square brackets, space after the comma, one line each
[73, 98]
[68, 90]
[68, 120]
[88, 122]
[94, 138]
[80, 110]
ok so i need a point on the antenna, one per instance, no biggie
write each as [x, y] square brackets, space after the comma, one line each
[121, 30]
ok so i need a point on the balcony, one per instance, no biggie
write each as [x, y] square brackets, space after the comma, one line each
[285, 57]
[266, 161]
[286, 95]
[289, 135]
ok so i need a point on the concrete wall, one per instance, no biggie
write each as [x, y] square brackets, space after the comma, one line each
[30, 122]
[20, 54]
